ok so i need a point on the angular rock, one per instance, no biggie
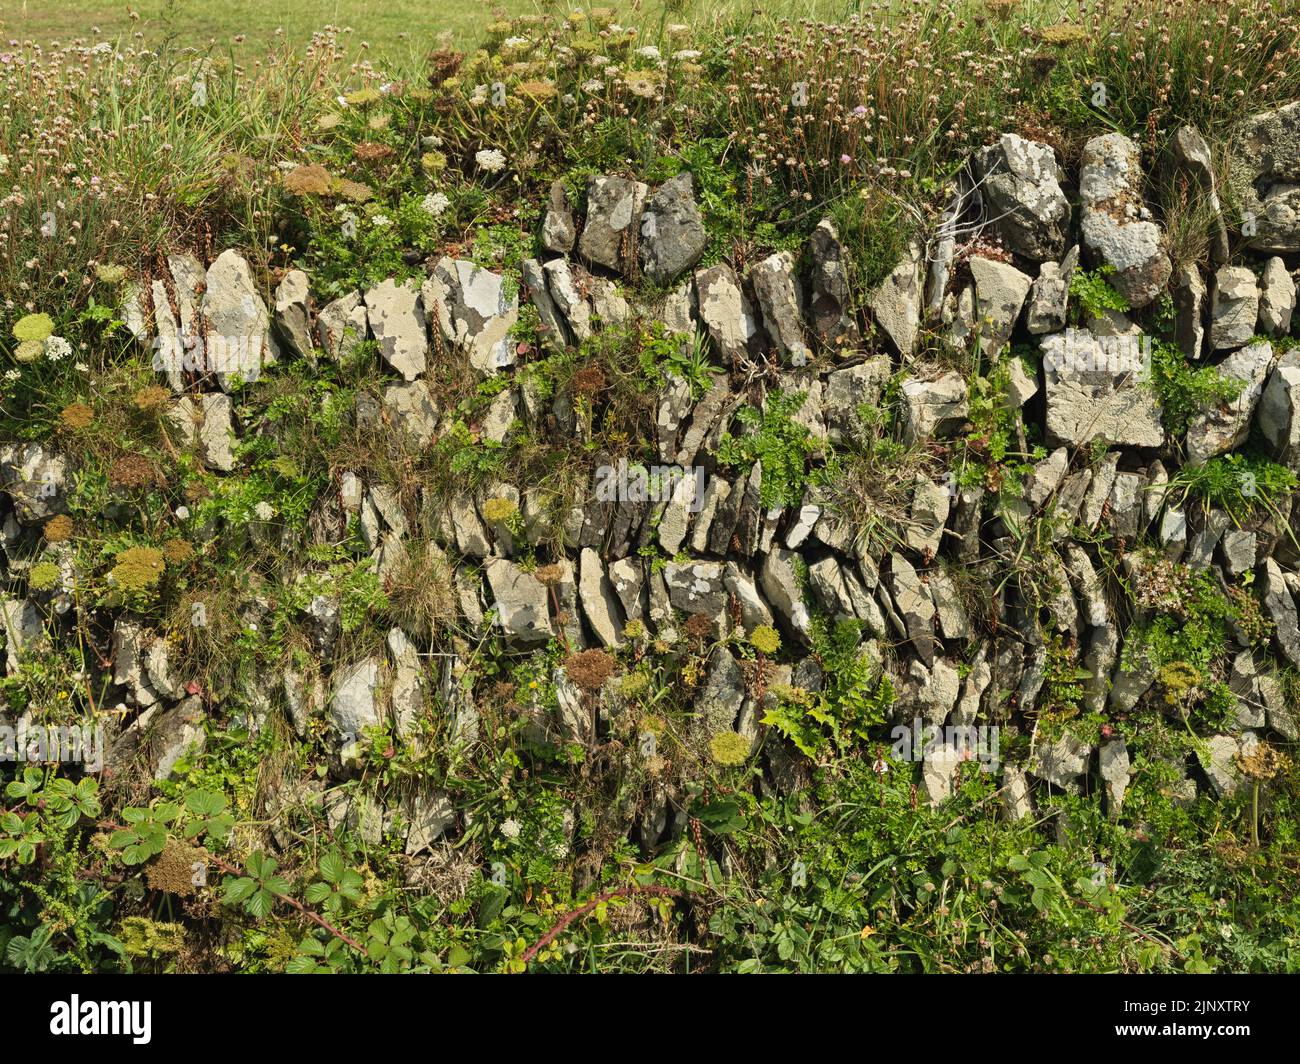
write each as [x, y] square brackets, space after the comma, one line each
[896, 304]
[353, 705]
[558, 231]
[1049, 299]
[293, 313]
[520, 602]
[829, 301]
[779, 582]
[725, 311]
[1021, 186]
[1000, 291]
[779, 298]
[396, 316]
[409, 409]
[599, 603]
[614, 206]
[1224, 428]
[1235, 309]
[342, 325]
[1193, 155]
[934, 408]
[672, 231]
[1189, 312]
[473, 309]
[238, 337]
[1096, 390]
[1277, 297]
[1264, 173]
[1117, 227]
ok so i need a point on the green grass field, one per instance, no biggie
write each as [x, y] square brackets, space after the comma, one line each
[392, 26]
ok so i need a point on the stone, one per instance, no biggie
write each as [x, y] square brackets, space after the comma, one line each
[1116, 225]
[1279, 606]
[779, 581]
[1217, 431]
[409, 409]
[939, 765]
[35, 479]
[174, 733]
[1189, 312]
[915, 606]
[1277, 297]
[341, 325]
[353, 705]
[558, 231]
[741, 587]
[934, 408]
[1061, 762]
[697, 587]
[627, 578]
[672, 232]
[1116, 770]
[1278, 415]
[599, 603]
[719, 703]
[1021, 185]
[1220, 762]
[520, 602]
[238, 337]
[428, 818]
[293, 313]
[551, 326]
[829, 300]
[608, 307]
[614, 208]
[1000, 291]
[1264, 175]
[406, 693]
[725, 311]
[1193, 155]
[896, 303]
[779, 298]
[500, 417]
[931, 503]
[474, 309]
[396, 316]
[562, 284]
[1235, 309]
[847, 391]
[24, 628]
[1016, 802]
[209, 425]
[1096, 391]
[1049, 299]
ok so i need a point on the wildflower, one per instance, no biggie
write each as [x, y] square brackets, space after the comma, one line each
[511, 828]
[649, 51]
[381, 221]
[765, 639]
[845, 160]
[29, 350]
[57, 349]
[33, 327]
[12, 374]
[491, 160]
[76, 416]
[57, 529]
[182, 513]
[43, 576]
[264, 511]
[729, 748]
[435, 203]
[110, 273]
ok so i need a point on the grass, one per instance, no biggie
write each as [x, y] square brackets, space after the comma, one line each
[394, 29]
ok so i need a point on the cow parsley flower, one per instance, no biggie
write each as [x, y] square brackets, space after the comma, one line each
[57, 349]
[490, 160]
[435, 203]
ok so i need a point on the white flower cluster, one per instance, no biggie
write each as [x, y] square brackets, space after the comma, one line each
[491, 160]
[57, 348]
[435, 203]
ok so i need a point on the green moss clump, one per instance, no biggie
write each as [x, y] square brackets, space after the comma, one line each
[138, 570]
[43, 576]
